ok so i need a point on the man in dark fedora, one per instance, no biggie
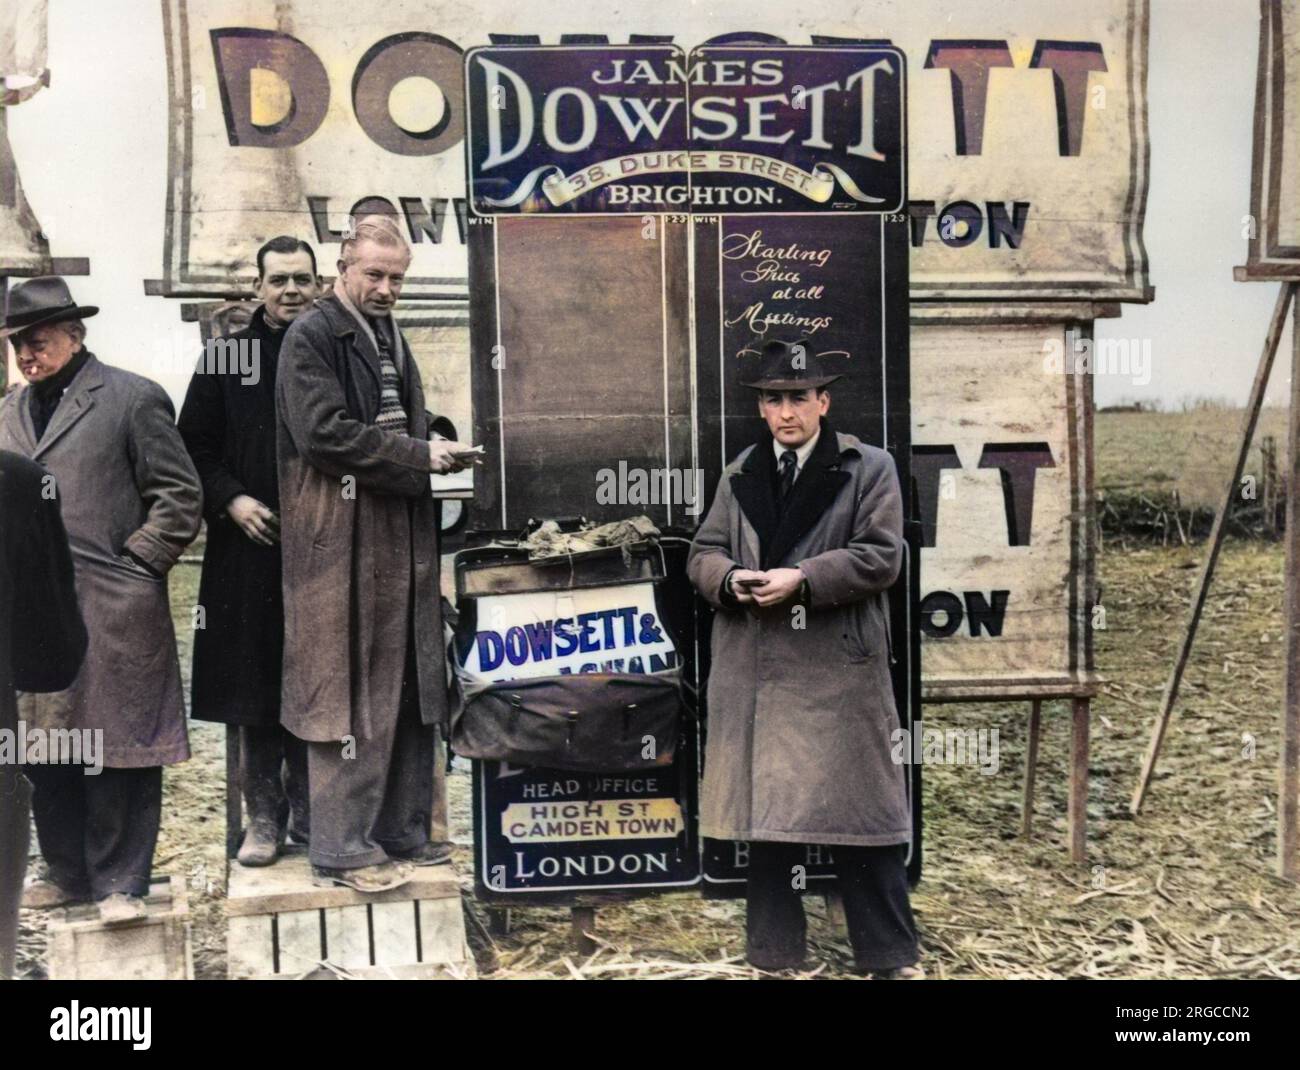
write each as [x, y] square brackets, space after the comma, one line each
[131, 504]
[802, 542]
[228, 424]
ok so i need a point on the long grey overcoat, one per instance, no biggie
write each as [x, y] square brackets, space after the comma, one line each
[358, 532]
[126, 483]
[800, 718]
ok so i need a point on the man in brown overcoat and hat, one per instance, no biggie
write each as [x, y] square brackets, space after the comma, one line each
[365, 677]
[802, 542]
[131, 503]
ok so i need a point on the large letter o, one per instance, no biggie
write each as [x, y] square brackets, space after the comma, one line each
[409, 55]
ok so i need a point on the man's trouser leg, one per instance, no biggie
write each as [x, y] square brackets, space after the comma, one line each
[98, 833]
[873, 885]
[404, 820]
[296, 787]
[775, 927]
[15, 826]
[59, 808]
[364, 804]
[261, 756]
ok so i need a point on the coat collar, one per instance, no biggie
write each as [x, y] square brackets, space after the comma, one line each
[345, 318]
[820, 481]
[77, 400]
[346, 321]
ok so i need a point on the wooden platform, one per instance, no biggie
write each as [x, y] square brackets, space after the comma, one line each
[154, 947]
[283, 925]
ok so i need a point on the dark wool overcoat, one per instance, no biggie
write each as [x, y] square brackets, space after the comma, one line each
[125, 483]
[42, 637]
[228, 424]
[359, 534]
[800, 701]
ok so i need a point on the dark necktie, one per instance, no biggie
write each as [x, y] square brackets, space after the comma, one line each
[789, 459]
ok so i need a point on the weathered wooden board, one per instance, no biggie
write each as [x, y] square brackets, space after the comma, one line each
[282, 924]
[155, 947]
[24, 249]
[1273, 226]
[1028, 171]
[1002, 460]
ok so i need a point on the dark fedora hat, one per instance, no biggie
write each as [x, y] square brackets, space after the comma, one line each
[45, 299]
[788, 366]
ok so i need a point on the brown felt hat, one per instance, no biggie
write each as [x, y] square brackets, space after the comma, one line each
[788, 366]
[45, 299]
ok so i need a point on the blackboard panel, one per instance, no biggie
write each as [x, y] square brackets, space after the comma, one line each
[862, 304]
[585, 368]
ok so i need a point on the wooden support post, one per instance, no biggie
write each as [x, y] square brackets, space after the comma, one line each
[439, 826]
[498, 919]
[583, 922]
[234, 797]
[15, 819]
[1268, 488]
[1284, 297]
[1288, 804]
[835, 916]
[1031, 767]
[1078, 806]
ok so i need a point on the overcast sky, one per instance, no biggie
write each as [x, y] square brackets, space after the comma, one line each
[92, 153]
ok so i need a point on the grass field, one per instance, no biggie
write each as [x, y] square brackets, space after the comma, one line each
[1187, 891]
[1191, 452]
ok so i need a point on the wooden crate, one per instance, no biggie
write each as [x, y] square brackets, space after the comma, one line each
[282, 925]
[155, 947]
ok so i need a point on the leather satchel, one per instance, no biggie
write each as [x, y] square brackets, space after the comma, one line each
[587, 722]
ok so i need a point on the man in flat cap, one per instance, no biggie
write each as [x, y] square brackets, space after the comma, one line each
[131, 504]
[802, 542]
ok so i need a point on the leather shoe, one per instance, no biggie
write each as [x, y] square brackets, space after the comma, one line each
[427, 854]
[377, 878]
[45, 893]
[262, 843]
[899, 973]
[120, 907]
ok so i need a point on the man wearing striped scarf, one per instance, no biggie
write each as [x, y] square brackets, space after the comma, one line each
[364, 670]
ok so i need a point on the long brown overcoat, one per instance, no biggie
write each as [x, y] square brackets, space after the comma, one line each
[126, 483]
[800, 718]
[359, 534]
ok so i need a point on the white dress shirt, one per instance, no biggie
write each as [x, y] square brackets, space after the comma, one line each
[801, 453]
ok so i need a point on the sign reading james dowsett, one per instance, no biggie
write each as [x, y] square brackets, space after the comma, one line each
[738, 129]
[576, 129]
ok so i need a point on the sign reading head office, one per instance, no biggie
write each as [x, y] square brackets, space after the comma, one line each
[596, 130]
